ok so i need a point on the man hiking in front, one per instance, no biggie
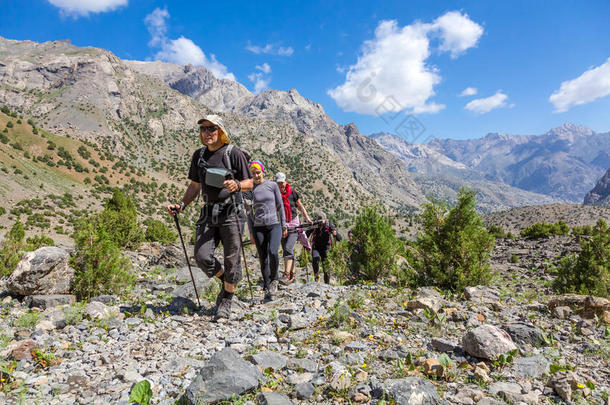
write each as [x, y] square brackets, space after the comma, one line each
[210, 174]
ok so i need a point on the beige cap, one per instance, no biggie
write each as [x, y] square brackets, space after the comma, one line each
[215, 120]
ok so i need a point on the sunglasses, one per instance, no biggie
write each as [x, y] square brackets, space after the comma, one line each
[210, 128]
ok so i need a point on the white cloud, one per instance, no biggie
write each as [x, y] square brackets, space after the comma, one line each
[391, 73]
[591, 85]
[271, 49]
[485, 105]
[468, 91]
[181, 51]
[457, 32]
[261, 82]
[261, 79]
[265, 68]
[82, 8]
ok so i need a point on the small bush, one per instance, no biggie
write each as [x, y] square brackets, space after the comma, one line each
[380, 249]
[544, 229]
[9, 124]
[497, 231]
[119, 221]
[157, 231]
[100, 269]
[514, 258]
[38, 241]
[453, 250]
[3, 138]
[10, 254]
[589, 271]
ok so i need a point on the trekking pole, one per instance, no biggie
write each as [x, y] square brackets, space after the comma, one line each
[188, 263]
[241, 242]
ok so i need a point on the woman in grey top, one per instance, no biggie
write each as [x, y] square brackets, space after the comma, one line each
[267, 225]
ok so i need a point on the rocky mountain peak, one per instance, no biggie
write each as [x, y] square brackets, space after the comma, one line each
[569, 130]
[600, 195]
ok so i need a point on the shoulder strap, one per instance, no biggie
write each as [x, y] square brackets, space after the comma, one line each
[228, 155]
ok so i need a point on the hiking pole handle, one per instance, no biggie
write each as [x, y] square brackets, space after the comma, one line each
[188, 263]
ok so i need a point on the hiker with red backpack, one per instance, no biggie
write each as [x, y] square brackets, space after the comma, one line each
[218, 170]
[322, 239]
[292, 204]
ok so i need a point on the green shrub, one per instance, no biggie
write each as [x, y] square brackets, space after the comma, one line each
[3, 138]
[582, 230]
[38, 241]
[119, 221]
[10, 254]
[9, 124]
[157, 231]
[5, 109]
[99, 267]
[544, 229]
[380, 248]
[514, 258]
[497, 231]
[338, 259]
[453, 249]
[589, 271]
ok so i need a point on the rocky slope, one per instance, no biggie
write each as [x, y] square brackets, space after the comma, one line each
[367, 162]
[600, 195]
[314, 344]
[90, 94]
[563, 163]
[441, 177]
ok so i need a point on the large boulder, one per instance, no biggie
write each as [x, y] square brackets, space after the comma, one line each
[42, 272]
[224, 375]
[487, 342]
[412, 391]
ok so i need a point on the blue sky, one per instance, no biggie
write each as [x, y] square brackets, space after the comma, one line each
[531, 65]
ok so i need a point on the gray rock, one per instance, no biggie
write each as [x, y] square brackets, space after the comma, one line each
[503, 386]
[302, 364]
[490, 401]
[487, 342]
[443, 345]
[564, 383]
[106, 299]
[481, 293]
[97, 310]
[42, 272]
[298, 321]
[268, 359]
[522, 333]
[186, 290]
[224, 375]
[273, 398]
[412, 391]
[531, 367]
[304, 390]
[49, 301]
[561, 312]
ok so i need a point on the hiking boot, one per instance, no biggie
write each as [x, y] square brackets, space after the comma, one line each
[224, 309]
[273, 288]
[268, 297]
[218, 299]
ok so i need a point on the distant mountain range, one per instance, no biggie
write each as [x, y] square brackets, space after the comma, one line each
[145, 112]
[563, 163]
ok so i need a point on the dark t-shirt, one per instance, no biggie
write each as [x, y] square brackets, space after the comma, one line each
[321, 236]
[239, 165]
[292, 199]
